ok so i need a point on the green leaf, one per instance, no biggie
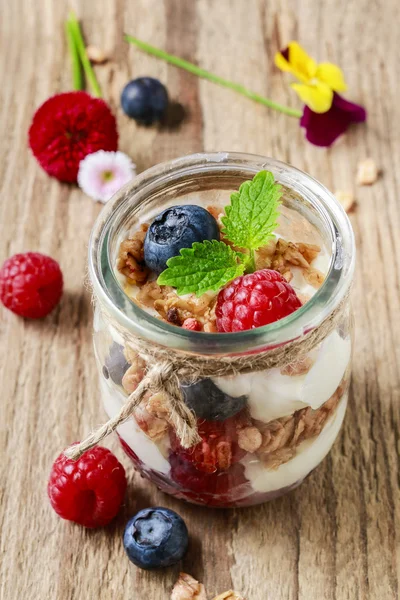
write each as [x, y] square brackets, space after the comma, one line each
[251, 217]
[207, 266]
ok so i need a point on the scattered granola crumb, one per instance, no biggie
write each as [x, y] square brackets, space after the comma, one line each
[367, 172]
[188, 588]
[96, 55]
[210, 327]
[249, 439]
[152, 421]
[346, 199]
[314, 277]
[229, 595]
[134, 374]
[308, 251]
[131, 258]
[150, 292]
[281, 255]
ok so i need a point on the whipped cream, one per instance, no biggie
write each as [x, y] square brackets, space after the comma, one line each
[150, 453]
[272, 395]
[309, 454]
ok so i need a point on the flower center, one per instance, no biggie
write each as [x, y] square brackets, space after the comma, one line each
[108, 175]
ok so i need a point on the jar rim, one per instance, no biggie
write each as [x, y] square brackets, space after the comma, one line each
[139, 322]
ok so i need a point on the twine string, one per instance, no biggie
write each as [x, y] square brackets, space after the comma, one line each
[171, 366]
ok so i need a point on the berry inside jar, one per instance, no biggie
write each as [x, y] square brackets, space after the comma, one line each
[224, 262]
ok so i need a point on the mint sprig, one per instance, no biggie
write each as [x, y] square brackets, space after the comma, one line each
[249, 223]
[251, 217]
[203, 267]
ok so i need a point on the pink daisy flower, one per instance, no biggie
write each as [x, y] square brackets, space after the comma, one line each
[101, 174]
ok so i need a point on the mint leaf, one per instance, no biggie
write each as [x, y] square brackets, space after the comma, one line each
[207, 266]
[251, 217]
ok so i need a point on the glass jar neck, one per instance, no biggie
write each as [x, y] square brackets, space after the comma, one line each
[224, 171]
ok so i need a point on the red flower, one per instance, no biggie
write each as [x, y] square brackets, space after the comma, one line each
[322, 129]
[66, 128]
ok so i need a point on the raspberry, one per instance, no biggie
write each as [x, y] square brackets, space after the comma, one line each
[254, 300]
[66, 128]
[213, 489]
[191, 324]
[31, 284]
[88, 491]
[218, 448]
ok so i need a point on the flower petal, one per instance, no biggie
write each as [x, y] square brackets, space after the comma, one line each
[332, 75]
[281, 60]
[317, 96]
[324, 128]
[295, 60]
[301, 62]
[101, 174]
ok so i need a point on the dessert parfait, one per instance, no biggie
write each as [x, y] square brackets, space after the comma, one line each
[219, 269]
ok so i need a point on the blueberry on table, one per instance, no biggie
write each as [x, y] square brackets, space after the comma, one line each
[209, 402]
[116, 364]
[175, 228]
[155, 537]
[145, 99]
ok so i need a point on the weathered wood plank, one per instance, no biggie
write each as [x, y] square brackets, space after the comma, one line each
[336, 537]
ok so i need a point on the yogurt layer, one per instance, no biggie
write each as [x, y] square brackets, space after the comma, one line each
[144, 448]
[309, 455]
[272, 395]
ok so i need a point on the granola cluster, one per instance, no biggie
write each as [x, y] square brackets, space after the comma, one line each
[281, 437]
[281, 256]
[188, 588]
[278, 254]
[130, 260]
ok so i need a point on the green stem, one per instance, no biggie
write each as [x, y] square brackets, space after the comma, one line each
[81, 49]
[187, 66]
[77, 79]
[251, 262]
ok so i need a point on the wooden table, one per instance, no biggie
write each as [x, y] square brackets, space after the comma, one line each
[338, 536]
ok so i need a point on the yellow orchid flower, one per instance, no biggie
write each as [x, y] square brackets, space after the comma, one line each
[318, 81]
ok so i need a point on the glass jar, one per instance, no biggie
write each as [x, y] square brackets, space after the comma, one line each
[286, 418]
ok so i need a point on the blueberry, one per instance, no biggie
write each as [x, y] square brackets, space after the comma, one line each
[155, 537]
[175, 228]
[145, 99]
[116, 364]
[209, 402]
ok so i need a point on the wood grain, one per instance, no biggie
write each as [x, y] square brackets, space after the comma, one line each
[338, 536]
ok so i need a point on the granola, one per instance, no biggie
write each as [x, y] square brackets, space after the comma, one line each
[367, 172]
[281, 255]
[130, 260]
[152, 415]
[229, 595]
[278, 254]
[346, 199]
[188, 588]
[281, 437]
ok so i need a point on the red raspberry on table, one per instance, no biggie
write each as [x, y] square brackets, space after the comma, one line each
[218, 448]
[254, 300]
[66, 128]
[31, 284]
[88, 491]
